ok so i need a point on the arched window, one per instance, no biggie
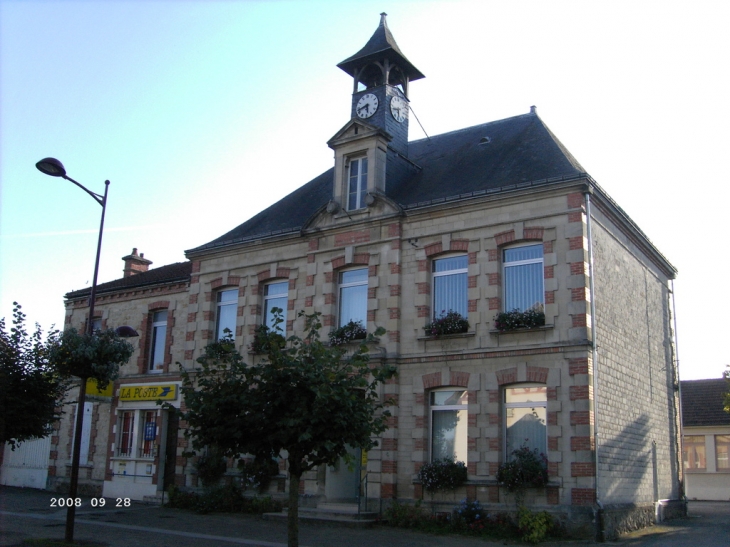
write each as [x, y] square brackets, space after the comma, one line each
[525, 417]
[449, 424]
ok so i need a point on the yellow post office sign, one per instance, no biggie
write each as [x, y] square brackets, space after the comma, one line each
[148, 393]
[92, 389]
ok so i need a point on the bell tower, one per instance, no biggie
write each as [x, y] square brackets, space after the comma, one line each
[381, 76]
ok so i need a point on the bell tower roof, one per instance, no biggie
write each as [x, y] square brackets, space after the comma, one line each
[381, 46]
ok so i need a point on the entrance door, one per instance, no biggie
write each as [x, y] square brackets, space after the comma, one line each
[341, 483]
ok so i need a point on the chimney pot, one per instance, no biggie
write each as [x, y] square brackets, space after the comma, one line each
[134, 263]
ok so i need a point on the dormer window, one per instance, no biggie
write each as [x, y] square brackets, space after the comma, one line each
[357, 184]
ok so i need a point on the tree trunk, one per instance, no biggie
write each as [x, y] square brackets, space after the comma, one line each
[293, 517]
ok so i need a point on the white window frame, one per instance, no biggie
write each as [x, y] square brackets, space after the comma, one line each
[360, 180]
[722, 441]
[507, 450]
[221, 306]
[137, 448]
[343, 286]
[436, 313]
[508, 306]
[460, 452]
[694, 442]
[268, 319]
[158, 337]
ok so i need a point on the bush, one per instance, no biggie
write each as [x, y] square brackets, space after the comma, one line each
[257, 474]
[444, 474]
[221, 499]
[534, 527]
[404, 515]
[516, 319]
[525, 468]
[353, 330]
[450, 322]
[211, 467]
[264, 339]
[469, 513]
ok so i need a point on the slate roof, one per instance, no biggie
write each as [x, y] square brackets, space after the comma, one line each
[702, 402]
[381, 44]
[487, 158]
[171, 273]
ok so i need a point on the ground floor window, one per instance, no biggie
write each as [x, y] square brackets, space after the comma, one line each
[136, 433]
[449, 425]
[722, 452]
[693, 452]
[525, 418]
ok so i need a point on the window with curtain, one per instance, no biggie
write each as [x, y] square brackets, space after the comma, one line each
[358, 184]
[450, 285]
[157, 347]
[226, 313]
[275, 296]
[126, 433]
[693, 453]
[523, 277]
[449, 425]
[722, 452]
[353, 296]
[525, 418]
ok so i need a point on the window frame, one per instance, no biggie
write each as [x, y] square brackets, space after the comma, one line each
[157, 342]
[722, 441]
[267, 297]
[220, 306]
[436, 313]
[460, 407]
[517, 263]
[694, 441]
[506, 450]
[361, 182]
[130, 441]
[341, 321]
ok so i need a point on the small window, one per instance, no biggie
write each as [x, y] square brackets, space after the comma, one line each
[126, 433]
[450, 285]
[157, 347]
[722, 452]
[693, 453]
[226, 313]
[449, 425]
[358, 184]
[523, 278]
[275, 296]
[353, 296]
[525, 418]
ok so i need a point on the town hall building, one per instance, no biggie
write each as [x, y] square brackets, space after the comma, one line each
[567, 345]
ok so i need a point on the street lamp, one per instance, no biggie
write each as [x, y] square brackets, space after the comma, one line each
[54, 168]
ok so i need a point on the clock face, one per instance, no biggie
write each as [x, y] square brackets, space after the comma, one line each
[399, 108]
[366, 106]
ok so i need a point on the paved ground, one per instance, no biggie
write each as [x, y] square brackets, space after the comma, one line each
[27, 513]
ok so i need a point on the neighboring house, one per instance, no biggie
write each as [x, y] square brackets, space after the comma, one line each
[491, 218]
[706, 439]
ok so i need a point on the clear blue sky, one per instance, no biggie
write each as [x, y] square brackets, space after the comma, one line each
[201, 113]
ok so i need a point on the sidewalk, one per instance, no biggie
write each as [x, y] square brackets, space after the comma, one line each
[27, 513]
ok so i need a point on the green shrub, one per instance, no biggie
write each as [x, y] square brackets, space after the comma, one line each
[516, 319]
[534, 527]
[525, 468]
[221, 499]
[404, 515]
[450, 322]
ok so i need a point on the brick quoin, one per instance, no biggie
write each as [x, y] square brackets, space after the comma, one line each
[329, 298]
[494, 279]
[581, 443]
[575, 216]
[534, 232]
[472, 258]
[394, 313]
[308, 301]
[314, 244]
[328, 320]
[394, 230]
[471, 420]
[581, 417]
[371, 315]
[549, 272]
[390, 444]
[575, 200]
[395, 268]
[549, 297]
[290, 307]
[552, 418]
[192, 317]
[553, 443]
[423, 311]
[420, 422]
[493, 468]
[493, 444]
[190, 335]
[472, 281]
[582, 496]
[553, 495]
[195, 266]
[433, 249]
[395, 290]
[373, 270]
[578, 268]
[423, 265]
[329, 277]
[493, 395]
[505, 237]
[188, 354]
[552, 469]
[579, 320]
[423, 288]
[394, 336]
[310, 281]
[493, 494]
[372, 293]
[494, 303]
[547, 247]
[493, 255]
[311, 258]
[576, 242]
[580, 393]
[419, 398]
[388, 491]
[350, 238]
[292, 284]
[471, 490]
[472, 305]
[579, 294]
[552, 394]
[194, 279]
[432, 380]
[471, 397]
[208, 316]
[338, 262]
[578, 366]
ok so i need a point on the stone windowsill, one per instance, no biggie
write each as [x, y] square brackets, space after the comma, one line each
[524, 329]
[469, 334]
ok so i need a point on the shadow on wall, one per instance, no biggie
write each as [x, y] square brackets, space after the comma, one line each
[625, 463]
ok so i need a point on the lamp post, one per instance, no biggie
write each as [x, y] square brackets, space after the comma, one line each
[54, 168]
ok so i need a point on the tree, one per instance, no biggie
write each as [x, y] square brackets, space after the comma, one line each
[307, 398]
[31, 389]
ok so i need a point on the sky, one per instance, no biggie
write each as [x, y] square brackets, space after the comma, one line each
[203, 113]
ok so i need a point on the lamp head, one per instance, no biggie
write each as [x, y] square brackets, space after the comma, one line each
[125, 331]
[51, 166]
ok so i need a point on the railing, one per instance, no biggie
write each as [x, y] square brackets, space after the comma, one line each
[362, 494]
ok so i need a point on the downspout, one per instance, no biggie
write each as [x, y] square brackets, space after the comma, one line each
[592, 291]
[680, 412]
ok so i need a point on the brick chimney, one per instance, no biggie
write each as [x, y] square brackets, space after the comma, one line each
[135, 263]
